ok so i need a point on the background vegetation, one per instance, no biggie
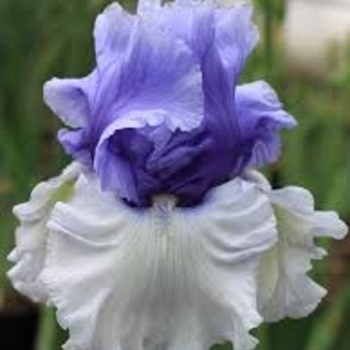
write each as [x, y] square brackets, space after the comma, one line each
[45, 38]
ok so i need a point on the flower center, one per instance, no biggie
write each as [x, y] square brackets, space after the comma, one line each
[164, 203]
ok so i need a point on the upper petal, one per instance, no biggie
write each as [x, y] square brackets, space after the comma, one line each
[163, 277]
[221, 39]
[236, 36]
[193, 22]
[144, 76]
[204, 26]
[31, 235]
[146, 7]
[151, 77]
[162, 86]
[176, 69]
[261, 117]
[284, 286]
[112, 33]
[70, 99]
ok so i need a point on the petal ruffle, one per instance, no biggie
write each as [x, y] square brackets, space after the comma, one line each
[159, 83]
[221, 39]
[261, 117]
[236, 37]
[173, 67]
[229, 31]
[31, 236]
[112, 34]
[144, 76]
[285, 289]
[70, 99]
[191, 22]
[151, 78]
[158, 278]
[148, 7]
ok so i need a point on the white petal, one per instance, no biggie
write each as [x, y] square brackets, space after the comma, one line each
[31, 235]
[164, 277]
[285, 289]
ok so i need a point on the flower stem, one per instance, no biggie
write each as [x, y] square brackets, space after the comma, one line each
[49, 335]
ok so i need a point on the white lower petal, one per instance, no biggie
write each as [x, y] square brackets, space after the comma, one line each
[163, 278]
[31, 235]
[285, 289]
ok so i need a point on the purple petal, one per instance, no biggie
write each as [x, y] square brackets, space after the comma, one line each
[77, 144]
[185, 164]
[156, 115]
[261, 118]
[222, 39]
[112, 33]
[121, 167]
[148, 7]
[229, 31]
[69, 99]
[116, 173]
[193, 24]
[144, 77]
[152, 76]
[236, 37]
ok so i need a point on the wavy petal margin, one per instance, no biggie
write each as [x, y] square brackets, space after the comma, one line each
[159, 278]
[31, 235]
[261, 118]
[285, 289]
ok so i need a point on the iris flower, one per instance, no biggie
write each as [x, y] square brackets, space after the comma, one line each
[161, 235]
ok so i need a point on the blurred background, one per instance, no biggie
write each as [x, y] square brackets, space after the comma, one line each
[304, 53]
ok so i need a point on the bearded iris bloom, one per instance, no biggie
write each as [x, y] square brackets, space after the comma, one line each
[160, 235]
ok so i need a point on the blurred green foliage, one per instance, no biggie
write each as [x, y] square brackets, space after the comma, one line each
[48, 38]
